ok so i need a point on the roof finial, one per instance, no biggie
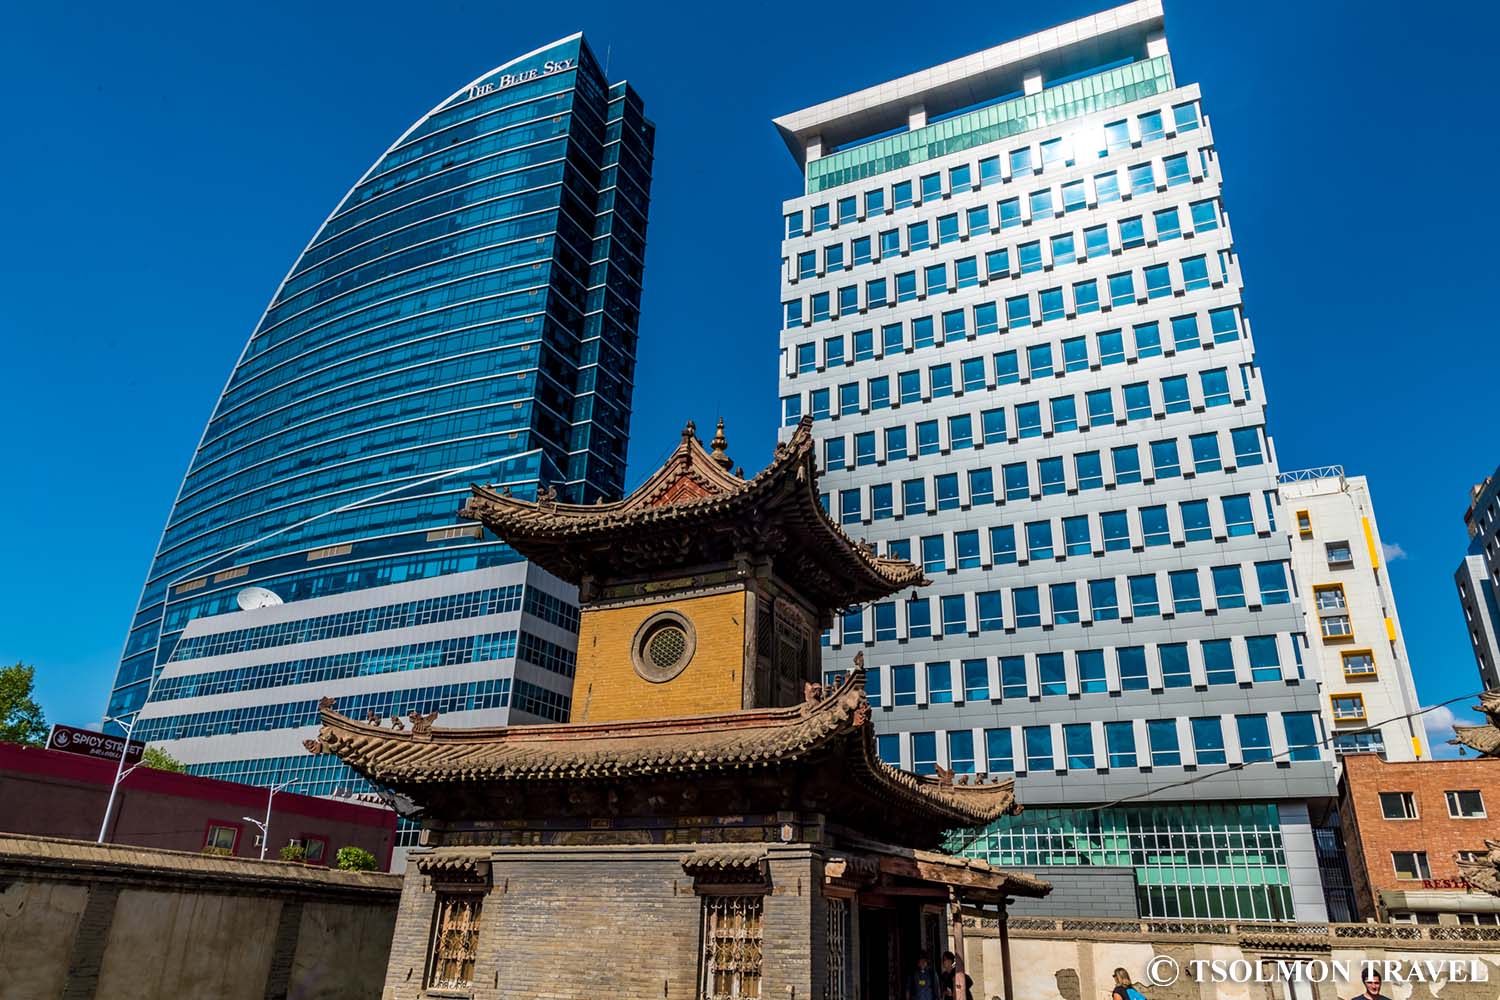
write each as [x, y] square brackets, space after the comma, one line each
[719, 444]
[689, 431]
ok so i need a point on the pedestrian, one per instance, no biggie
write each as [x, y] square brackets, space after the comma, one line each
[947, 975]
[923, 982]
[1371, 979]
[1125, 987]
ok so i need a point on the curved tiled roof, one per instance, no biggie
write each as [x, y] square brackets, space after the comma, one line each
[837, 726]
[693, 510]
[1485, 738]
[1484, 874]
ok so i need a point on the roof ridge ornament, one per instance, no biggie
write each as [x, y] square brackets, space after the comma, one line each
[720, 444]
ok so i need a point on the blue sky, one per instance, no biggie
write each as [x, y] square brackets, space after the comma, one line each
[168, 161]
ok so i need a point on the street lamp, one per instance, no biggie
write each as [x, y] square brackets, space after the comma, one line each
[121, 772]
[265, 825]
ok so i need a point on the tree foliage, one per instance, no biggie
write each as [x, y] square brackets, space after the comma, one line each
[161, 760]
[356, 859]
[21, 719]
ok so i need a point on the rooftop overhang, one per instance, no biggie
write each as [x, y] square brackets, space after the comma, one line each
[1438, 901]
[1118, 33]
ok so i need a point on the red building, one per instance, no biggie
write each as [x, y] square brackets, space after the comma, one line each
[1407, 826]
[55, 794]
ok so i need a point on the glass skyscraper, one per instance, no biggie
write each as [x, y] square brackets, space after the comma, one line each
[467, 313]
[1012, 307]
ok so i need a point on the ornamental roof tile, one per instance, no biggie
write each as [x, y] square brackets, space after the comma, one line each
[835, 727]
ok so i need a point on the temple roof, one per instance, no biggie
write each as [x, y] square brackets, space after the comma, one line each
[693, 511]
[831, 734]
[1484, 738]
[1484, 874]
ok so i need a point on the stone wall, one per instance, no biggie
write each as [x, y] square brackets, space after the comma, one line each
[80, 920]
[1073, 959]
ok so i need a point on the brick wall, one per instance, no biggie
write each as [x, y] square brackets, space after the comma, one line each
[606, 686]
[1370, 839]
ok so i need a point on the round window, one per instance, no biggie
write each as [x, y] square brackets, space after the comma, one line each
[663, 646]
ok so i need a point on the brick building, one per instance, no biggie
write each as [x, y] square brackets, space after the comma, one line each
[1407, 828]
[48, 793]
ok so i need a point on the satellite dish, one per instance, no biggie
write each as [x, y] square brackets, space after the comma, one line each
[256, 597]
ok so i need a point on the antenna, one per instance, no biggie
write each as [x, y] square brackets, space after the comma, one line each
[608, 49]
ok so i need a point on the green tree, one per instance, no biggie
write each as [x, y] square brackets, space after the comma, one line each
[161, 760]
[21, 719]
[356, 859]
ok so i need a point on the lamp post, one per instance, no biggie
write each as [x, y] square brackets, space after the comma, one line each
[121, 772]
[265, 825]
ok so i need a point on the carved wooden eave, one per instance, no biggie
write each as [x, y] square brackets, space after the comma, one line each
[1484, 874]
[693, 512]
[1485, 739]
[831, 738]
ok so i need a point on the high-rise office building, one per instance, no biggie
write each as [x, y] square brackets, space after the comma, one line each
[1012, 306]
[467, 313]
[1478, 578]
[1354, 634]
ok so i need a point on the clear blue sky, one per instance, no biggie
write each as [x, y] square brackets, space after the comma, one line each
[167, 162]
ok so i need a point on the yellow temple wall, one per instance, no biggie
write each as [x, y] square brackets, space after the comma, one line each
[607, 688]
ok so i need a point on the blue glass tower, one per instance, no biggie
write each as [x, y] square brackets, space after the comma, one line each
[468, 312]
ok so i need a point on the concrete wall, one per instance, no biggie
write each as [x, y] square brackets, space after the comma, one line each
[1061, 959]
[80, 920]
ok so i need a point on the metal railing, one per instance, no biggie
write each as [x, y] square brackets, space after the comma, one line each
[1308, 475]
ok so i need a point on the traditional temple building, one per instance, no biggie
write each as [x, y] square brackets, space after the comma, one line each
[1484, 871]
[713, 822]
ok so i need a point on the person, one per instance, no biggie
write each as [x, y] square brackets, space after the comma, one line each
[1125, 987]
[947, 976]
[1371, 978]
[923, 982]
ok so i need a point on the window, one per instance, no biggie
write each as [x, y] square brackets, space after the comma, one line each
[833, 453]
[821, 307]
[1052, 675]
[1168, 226]
[978, 220]
[1301, 735]
[1111, 348]
[1465, 804]
[999, 751]
[864, 449]
[1121, 289]
[1147, 340]
[849, 507]
[1271, 577]
[1064, 603]
[991, 611]
[1028, 607]
[885, 625]
[1185, 336]
[961, 751]
[1206, 453]
[1339, 553]
[1076, 540]
[933, 554]
[1029, 420]
[1349, 708]
[1208, 740]
[1132, 233]
[1089, 470]
[1175, 669]
[1411, 864]
[1137, 401]
[1155, 528]
[455, 939]
[1115, 526]
[1051, 302]
[1144, 602]
[1398, 805]
[1039, 540]
[1151, 126]
[1041, 204]
[791, 410]
[918, 618]
[1017, 481]
[1119, 742]
[1104, 601]
[1218, 660]
[1073, 196]
[981, 487]
[976, 675]
[947, 229]
[1063, 250]
[1127, 463]
[1205, 216]
[917, 236]
[1176, 169]
[1161, 735]
[986, 319]
[1185, 594]
[1165, 462]
[1237, 516]
[221, 838]
[955, 614]
[1020, 161]
[1078, 739]
[1096, 241]
[1158, 281]
[853, 632]
[1018, 310]
[1012, 676]
[903, 683]
[1174, 394]
[1265, 659]
[1091, 678]
[1038, 741]
[1050, 472]
[1195, 523]
[888, 748]
[909, 384]
[863, 251]
[1085, 296]
[1185, 117]
[848, 398]
[819, 404]
[906, 286]
[794, 225]
[939, 684]
[1106, 188]
[1358, 663]
[1215, 387]
[1255, 738]
[1030, 256]
[1010, 213]
[1195, 273]
[820, 218]
[882, 503]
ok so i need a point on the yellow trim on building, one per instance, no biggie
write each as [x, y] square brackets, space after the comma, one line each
[1416, 746]
[1390, 629]
[1337, 718]
[1370, 543]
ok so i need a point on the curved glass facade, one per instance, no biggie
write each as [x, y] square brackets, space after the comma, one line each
[467, 313]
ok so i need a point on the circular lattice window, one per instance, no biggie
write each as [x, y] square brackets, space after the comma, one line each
[663, 646]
